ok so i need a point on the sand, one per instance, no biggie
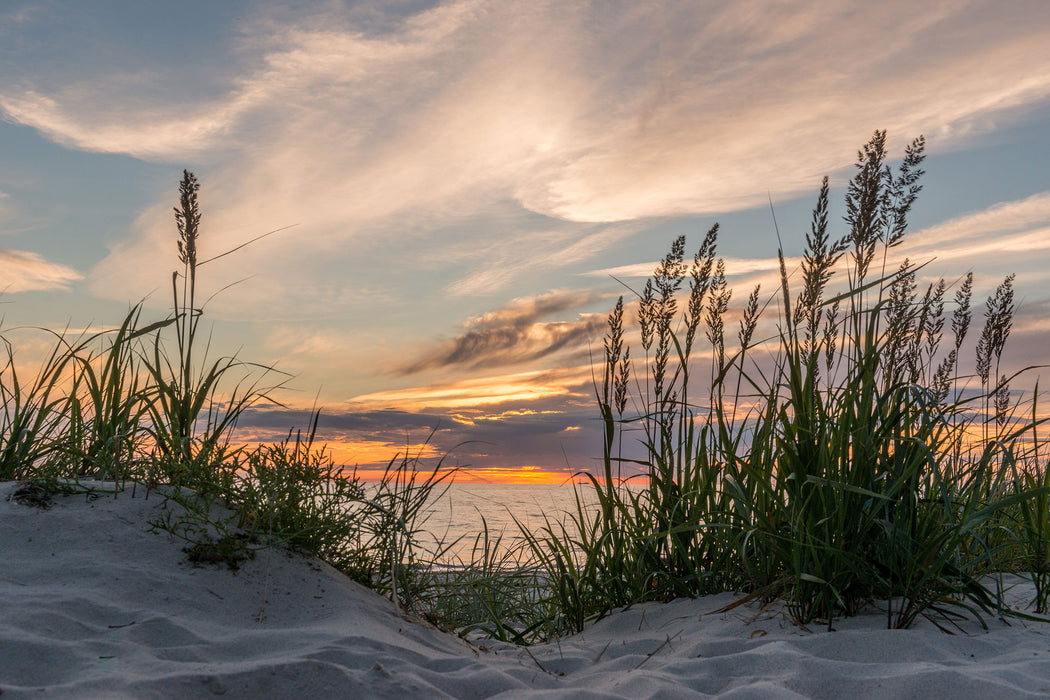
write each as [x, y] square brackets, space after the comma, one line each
[94, 605]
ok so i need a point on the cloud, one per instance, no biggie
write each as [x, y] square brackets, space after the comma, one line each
[1008, 237]
[993, 223]
[23, 271]
[516, 334]
[1023, 245]
[498, 423]
[558, 248]
[151, 135]
[388, 425]
[494, 443]
[734, 266]
[517, 389]
[396, 128]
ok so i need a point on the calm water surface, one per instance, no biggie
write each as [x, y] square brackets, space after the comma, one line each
[464, 511]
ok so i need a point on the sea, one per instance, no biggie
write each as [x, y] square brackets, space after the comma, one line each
[463, 513]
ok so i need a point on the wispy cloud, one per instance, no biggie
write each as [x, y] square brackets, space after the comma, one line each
[22, 271]
[1027, 242]
[610, 112]
[151, 135]
[1013, 233]
[1007, 237]
[494, 265]
[1003, 220]
[516, 334]
[521, 388]
[734, 266]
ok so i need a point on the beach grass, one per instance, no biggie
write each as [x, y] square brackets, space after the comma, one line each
[835, 457]
[840, 463]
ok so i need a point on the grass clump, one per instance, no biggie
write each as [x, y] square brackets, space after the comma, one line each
[839, 462]
[144, 403]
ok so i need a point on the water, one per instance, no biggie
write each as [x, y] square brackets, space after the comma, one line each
[465, 509]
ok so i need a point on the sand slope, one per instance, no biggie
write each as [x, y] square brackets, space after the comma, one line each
[94, 605]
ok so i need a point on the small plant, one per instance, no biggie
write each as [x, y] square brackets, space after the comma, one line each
[291, 493]
[391, 518]
[108, 402]
[144, 403]
[33, 416]
[231, 550]
[497, 592]
[33, 495]
[211, 534]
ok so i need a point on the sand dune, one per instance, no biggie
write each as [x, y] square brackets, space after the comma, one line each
[94, 605]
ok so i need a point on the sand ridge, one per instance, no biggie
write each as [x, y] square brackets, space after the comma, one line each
[94, 605]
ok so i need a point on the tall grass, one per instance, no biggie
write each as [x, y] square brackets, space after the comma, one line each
[838, 462]
[197, 401]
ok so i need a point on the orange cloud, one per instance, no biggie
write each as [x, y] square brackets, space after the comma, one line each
[369, 457]
[484, 391]
[21, 271]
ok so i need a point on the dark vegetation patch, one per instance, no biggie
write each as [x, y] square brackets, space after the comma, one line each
[231, 550]
[33, 496]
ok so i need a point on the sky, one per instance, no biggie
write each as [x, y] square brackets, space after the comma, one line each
[465, 187]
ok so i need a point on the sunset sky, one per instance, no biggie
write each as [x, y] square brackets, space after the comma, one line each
[463, 179]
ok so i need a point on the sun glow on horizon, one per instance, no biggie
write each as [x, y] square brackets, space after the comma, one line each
[490, 475]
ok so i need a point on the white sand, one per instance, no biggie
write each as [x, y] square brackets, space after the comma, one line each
[94, 605]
